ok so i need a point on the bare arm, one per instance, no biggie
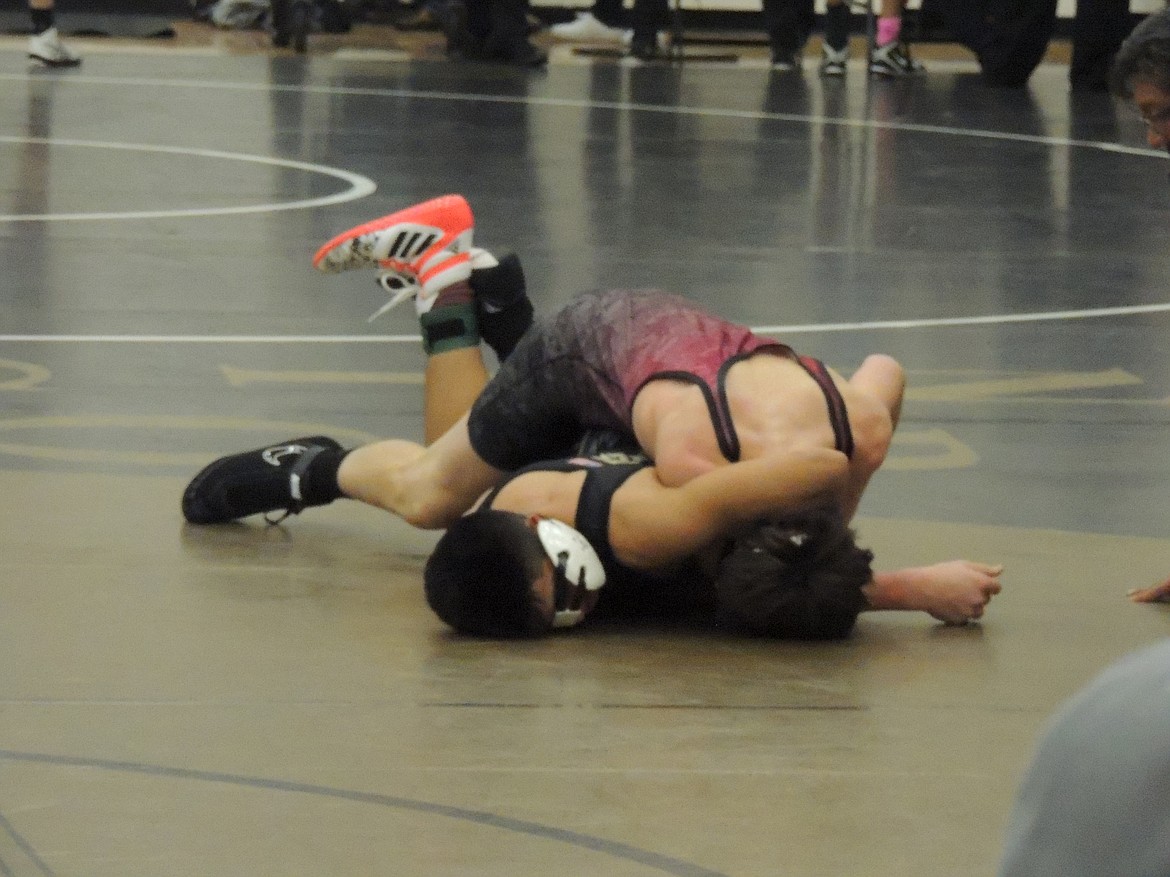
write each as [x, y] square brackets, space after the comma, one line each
[883, 378]
[652, 525]
[955, 592]
[882, 382]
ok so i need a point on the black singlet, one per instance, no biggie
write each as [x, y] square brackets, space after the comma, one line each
[604, 474]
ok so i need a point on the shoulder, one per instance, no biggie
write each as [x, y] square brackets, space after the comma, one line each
[551, 493]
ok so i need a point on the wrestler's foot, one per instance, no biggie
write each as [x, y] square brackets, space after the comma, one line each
[402, 284]
[429, 242]
[254, 482]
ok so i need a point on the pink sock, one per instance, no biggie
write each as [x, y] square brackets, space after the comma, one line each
[888, 30]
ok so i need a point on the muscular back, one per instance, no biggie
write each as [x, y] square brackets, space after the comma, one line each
[776, 407]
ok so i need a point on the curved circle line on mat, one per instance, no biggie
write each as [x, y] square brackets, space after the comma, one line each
[580, 103]
[647, 858]
[358, 185]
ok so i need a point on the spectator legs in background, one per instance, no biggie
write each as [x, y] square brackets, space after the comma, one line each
[788, 23]
[45, 46]
[489, 30]
[604, 22]
[648, 18]
[889, 55]
[835, 48]
[1099, 28]
[1009, 37]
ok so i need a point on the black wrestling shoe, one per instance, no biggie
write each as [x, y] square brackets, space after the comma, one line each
[254, 482]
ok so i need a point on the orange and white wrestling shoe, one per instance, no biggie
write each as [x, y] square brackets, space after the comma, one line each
[419, 251]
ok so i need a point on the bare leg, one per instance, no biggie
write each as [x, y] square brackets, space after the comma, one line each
[453, 381]
[427, 487]
[430, 486]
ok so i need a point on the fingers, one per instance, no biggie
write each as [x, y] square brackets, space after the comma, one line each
[1157, 594]
[992, 584]
[967, 615]
[975, 610]
[986, 568]
[989, 588]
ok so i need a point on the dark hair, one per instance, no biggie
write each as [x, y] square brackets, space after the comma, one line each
[800, 578]
[479, 577]
[1145, 55]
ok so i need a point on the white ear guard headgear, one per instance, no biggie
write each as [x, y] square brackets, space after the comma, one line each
[578, 566]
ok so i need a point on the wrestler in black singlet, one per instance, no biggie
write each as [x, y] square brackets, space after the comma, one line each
[628, 592]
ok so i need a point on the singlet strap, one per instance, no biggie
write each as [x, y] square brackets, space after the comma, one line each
[716, 397]
[838, 414]
[593, 507]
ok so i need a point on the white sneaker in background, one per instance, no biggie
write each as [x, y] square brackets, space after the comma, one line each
[833, 61]
[893, 59]
[46, 48]
[586, 26]
[662, 39]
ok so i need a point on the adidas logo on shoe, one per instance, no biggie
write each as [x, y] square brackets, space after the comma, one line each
[429, 242]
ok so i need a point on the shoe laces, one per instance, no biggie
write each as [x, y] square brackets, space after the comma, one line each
[399, 283]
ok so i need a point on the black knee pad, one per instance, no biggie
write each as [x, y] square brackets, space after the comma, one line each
[502, 304]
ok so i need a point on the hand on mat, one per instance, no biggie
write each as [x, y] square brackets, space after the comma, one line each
[957, 591]
[1156, 594]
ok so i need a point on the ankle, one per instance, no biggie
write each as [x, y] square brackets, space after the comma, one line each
[459, 293]
[42, 20]
[837, 27]
[450, 325]
[319, 481]
[889, 30]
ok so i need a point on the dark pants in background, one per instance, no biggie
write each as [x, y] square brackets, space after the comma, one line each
[1009, 37]
[1099, 28]
[789, 23]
